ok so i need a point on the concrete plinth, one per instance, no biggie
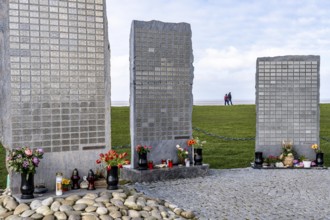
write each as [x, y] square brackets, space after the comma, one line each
[160, 174]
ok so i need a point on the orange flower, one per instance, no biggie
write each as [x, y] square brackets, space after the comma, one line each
[191, 142]
[112, 158]
[195, 142]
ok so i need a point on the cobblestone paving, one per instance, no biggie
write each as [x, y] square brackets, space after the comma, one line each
[249, 194]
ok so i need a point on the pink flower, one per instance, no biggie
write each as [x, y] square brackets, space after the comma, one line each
[28, 152]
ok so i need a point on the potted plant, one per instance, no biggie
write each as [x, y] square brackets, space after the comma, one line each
[182, 154]
[25, 161]
[197, 144]
[142, 153]
[66, 183]
[307, 163]
[113, 162]
[271, 160]
[319, 155]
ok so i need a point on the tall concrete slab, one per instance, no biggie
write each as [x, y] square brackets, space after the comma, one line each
[287, 102]
[161, 79]
[55, 82]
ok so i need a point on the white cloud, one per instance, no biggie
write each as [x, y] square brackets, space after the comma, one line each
[228, 36]
[220, 60]
[119, 78]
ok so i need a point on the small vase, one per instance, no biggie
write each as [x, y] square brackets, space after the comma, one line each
[150, 165]
[65, 188]
[258, 159]
[198, 157]
[143, 162]
[169, 163]
[319, 159]
[187, 162]
[181, 161]
[112, 178]
[27, 186]
[307, 163]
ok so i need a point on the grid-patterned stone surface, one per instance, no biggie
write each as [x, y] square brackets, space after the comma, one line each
[287, 99]
[161, 87]
[55, 78]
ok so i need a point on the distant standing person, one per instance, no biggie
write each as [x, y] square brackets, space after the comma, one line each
[229, 98]
[226, 100]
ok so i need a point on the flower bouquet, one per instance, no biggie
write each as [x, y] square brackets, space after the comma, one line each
[272, 160]
[143, 158]
[316, 148]
[319, 155]
[112, 159]
[182, 154]
[198, 144]
[143, 149]
[24, 160]
[113, 162]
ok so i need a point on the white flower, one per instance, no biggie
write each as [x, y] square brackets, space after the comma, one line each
[178, 146]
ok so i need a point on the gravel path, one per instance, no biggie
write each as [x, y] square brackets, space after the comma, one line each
[249, 194]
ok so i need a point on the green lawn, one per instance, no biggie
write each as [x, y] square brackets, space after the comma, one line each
[236, 121]
[229, 121]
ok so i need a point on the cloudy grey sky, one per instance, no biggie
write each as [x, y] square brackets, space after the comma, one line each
[227, 36]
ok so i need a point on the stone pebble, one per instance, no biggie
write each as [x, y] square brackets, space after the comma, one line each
[124, 203]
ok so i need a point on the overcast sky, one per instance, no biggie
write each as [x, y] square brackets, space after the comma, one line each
[227, 37]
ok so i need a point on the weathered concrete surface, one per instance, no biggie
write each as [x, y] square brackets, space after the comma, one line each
[56, 94]
[287, 102]
[161, 68]
[162, 174]
[5, 126]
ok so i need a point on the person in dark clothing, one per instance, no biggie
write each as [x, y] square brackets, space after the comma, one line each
[229, 98]
[226, 100]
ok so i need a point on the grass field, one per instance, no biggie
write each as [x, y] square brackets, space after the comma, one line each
[229, 121]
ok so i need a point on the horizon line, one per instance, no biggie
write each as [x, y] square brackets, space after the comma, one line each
[211, 102]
